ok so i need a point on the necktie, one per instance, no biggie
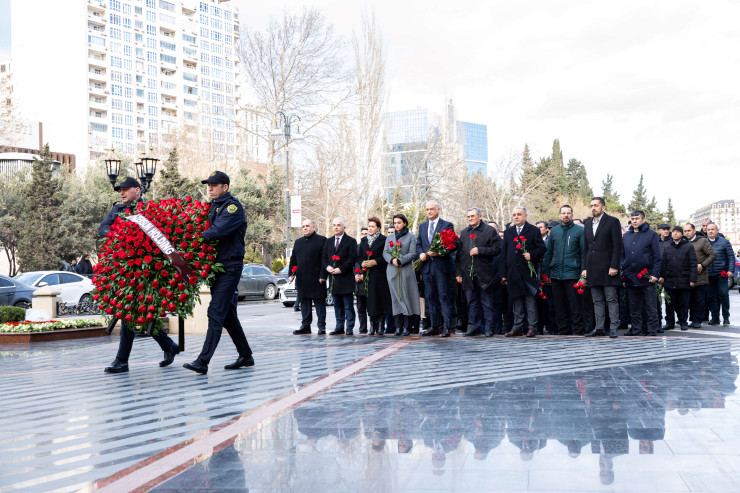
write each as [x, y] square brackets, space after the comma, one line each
[336, 243]
[431, 231]
[518, 230]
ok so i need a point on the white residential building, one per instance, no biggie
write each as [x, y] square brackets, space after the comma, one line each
[125, 73]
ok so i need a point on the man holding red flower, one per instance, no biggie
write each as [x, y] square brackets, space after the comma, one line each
[481, 242]
[436, 271]
[642, 258]
[228, 225]
[338, 261]
[522, 248]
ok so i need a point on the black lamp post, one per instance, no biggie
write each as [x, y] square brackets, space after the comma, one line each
[113, 168]
[285, 121]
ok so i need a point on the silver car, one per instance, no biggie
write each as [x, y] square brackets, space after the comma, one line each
[257, 280]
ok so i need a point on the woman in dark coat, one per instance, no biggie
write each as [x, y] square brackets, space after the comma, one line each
[374, 265]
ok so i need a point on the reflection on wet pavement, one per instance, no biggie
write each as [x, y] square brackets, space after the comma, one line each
[467, 414]
[659, 426]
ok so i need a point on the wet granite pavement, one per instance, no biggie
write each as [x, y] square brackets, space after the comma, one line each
[461, 414]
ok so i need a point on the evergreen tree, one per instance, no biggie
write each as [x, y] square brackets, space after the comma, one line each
[40, 244]
[576, 181]
[611, 197]
[172, 183]
[670, 213]
[649, 207]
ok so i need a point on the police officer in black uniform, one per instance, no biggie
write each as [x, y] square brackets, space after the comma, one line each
[130, 191]
[228, 226]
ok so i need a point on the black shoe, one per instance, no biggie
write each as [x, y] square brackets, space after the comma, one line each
[398, 332]
[241, 362]
[373, 332]
[349, 333]
[684, 327]
[169, 356]
[117, 367]
[472, 333]
[695, 325]
[363, 331]
[430, 332]
[381, 332]
[726, 322]
[405, 332]
[306, 330]
[445, 333]
[197, 367]
[714, 322]
[596, 333]
[321, 332]
[489, 333]
[668, 327]
[337, 332]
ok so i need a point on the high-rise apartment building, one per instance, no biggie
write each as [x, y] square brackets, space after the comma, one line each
[724, 213]
[127, 73]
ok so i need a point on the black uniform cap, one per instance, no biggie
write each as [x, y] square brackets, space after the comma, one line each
[216, 178]
[128, 182]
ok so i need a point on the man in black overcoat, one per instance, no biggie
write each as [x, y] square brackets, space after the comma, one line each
[478, 245]
[338, 264]
[602, 253]
[522, 281]
[306, 260]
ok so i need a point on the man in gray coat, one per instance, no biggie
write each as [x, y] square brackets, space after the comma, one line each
[705, 255]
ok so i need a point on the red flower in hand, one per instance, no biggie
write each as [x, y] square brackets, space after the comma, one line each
[358, 271]
[390, 244]
[369, 253]
[643, 272]
[518, 247]
[398, 243]
[334, 258]
[472, 237]
[295, 268]
[723, 274]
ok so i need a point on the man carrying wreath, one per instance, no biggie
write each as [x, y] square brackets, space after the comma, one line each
[436, 271]
[228, 225]
[130, 192]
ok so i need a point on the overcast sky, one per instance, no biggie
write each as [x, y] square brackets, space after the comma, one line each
[628, 87]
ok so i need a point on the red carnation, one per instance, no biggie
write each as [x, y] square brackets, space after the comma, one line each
[193, 280]
[334, 258]
[295, 268]
[518, 247]
[148, 259]
[390, 244]
[127, 318]
[369, 253]
[172, 307]
[358, 271]
[472, 237]
[723, 274]
[183, 297]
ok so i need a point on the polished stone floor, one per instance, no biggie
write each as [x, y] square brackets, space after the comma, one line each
[376, 414]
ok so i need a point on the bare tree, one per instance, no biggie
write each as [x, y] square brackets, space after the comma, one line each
[369, 80]
[297, 65]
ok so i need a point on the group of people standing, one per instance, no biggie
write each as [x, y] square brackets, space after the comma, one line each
[568, 278]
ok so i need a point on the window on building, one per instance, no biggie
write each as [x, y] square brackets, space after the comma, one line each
[188, 38]
[166, 6]
[168, 58]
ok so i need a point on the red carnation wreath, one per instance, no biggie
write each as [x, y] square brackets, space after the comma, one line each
[154, 261]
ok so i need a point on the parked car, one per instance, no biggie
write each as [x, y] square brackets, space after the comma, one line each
[283, 275]
[74, 287]
[14, 293]
[289, 294]
[257, 280]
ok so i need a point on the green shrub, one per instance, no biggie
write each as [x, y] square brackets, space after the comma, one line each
[252, 256]
[12, 314]
[277, 265]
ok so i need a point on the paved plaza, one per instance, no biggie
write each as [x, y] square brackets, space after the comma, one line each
[376, 414]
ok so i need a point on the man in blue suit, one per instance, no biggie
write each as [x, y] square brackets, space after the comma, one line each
[436, 273]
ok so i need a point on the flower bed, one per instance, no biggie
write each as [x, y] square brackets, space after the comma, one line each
[20, 327]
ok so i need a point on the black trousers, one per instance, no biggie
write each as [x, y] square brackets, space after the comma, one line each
[306, 314]
[222, 314]
[643, 298]
[680, 300]
[568, 307]
[362, 313]
[698, 303]
[127, 342]
[437, 302]
[483, 313]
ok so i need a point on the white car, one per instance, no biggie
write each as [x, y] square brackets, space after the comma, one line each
[74, 287]
[287, 292]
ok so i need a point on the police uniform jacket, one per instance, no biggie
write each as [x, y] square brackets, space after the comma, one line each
[110, 218]
[306, 257]
[228, 226]
[343, 283]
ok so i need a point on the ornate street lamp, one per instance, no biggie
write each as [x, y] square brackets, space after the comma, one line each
[146, 168]
[112, 168]
[282, 130]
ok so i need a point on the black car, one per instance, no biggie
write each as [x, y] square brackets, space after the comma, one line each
[257, 280]
[14, 293]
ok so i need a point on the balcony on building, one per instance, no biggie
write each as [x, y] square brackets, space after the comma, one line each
[97, 5]
[97, 74]
[98, 89]
[98, 102]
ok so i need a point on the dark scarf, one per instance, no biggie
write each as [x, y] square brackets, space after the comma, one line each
[402, 233]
